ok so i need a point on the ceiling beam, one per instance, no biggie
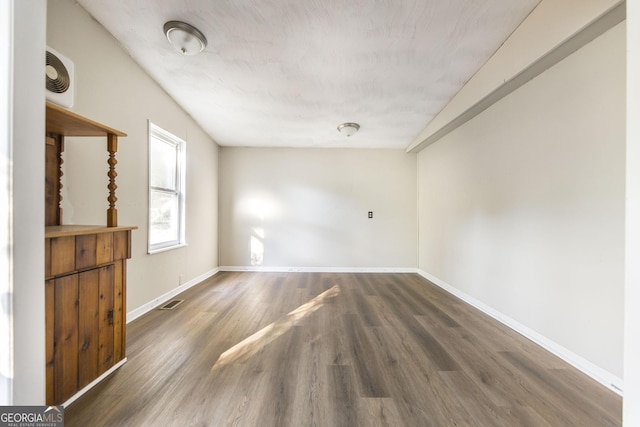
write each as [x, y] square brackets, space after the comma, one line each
[588, 33]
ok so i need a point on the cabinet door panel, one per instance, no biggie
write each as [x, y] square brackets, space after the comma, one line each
[88, 289]
[106, 315]
[66, 337]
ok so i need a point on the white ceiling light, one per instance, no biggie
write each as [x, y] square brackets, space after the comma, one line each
[348, 129]
[186, 38]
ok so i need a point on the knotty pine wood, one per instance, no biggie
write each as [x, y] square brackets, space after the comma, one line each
[63, 255]
[88, 327]
[85, 311]
[104, 248]
[122, 245]
[66, 253]
[119, 310]
[86, 251]
[106, 285]
[302, 349]
[66, 330]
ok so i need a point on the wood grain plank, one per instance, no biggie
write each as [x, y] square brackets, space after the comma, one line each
[437, 353]
[559, 392]
[282, 374]
[595, 395]
[367, 366]
[86, 251]
[104, 248]
[122, 244]
[312, 385]
[88, 305]
[364, 308]
[422, 397]
[63, 255]
[342, 396]
[479, 406]
[119, 313]
[105, 316]
[66, 341]
[429, 308]
[380, 412]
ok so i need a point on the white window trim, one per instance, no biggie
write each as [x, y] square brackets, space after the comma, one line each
[157, 132]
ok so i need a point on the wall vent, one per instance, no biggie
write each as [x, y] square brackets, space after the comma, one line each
[59, 78]
[172, 304]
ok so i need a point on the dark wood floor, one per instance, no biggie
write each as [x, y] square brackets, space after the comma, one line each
[316, 349]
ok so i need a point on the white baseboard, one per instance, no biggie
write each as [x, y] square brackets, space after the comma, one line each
[604, 377]
[93, 383]
[322, 269]
[134, 314]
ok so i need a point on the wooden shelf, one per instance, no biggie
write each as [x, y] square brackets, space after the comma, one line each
[67, 123]
[61, 123]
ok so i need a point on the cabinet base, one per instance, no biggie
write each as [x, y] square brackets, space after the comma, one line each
[94, 383]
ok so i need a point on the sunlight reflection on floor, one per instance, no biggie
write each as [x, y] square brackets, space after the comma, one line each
[246, 348]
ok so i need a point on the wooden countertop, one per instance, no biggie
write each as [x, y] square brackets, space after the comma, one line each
[77, 230]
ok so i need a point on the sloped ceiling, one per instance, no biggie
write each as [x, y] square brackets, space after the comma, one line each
[288, 72]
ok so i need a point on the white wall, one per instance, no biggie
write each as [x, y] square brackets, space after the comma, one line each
[631, 401]
[112, 89]
[6, 221]
[522, 207]
[28, 203]
[308, 207]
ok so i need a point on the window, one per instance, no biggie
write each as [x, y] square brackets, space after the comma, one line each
[166, 190]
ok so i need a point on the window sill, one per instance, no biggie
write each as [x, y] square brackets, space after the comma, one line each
[165, 249]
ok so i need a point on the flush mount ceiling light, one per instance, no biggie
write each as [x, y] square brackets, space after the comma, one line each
[348, 129]
[186, 38]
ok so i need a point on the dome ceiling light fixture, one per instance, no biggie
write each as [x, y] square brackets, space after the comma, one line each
[348, 129]
[186, 38]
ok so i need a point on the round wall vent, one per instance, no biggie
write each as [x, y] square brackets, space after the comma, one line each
[58, 80]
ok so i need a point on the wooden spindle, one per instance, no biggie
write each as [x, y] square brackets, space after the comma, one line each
[60, 173]
[112, 212]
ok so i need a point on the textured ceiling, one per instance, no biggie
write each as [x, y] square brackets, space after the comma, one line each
[288, 72]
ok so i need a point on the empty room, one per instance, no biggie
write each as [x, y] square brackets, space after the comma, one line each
[281, 213]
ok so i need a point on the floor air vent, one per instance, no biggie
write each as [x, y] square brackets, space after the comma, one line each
[172, 304]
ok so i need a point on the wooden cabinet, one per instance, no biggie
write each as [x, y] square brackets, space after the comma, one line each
[85, 305]
[85, 273]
